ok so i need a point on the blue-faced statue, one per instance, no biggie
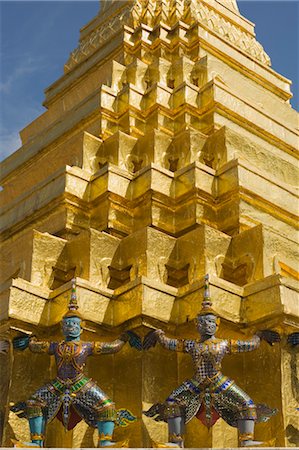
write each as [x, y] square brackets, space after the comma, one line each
[71, 328]
[72, 396]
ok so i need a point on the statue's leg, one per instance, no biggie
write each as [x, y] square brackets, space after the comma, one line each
[176, 427]
[246, 421]
[246, 433]
[238, 410]
[105, 428]
[36, 422]
[174, 414]
[106, 423]
[37, 428]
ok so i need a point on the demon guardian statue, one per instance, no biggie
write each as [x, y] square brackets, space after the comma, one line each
[71, 396]
[209, 394]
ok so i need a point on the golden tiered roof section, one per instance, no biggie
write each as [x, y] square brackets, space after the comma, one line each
[168, 150]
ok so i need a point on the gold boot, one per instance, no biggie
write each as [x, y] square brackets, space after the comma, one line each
[247, 440]
[119, 444]
[164, 445]
[19, 444]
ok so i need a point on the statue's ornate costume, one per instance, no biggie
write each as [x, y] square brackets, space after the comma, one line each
[209, 394]
[71, 395]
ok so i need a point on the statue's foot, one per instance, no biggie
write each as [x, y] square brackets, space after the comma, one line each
[166, 445]
[250, 443]
[112, 444]
[19, 444]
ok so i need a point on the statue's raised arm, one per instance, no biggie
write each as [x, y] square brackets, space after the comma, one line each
[102, 348]
[35, 345]
[173, 344]
[240, 346]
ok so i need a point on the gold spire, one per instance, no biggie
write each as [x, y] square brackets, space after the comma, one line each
[221, 17]
[206, 306]
[230, 4]
[73, 304]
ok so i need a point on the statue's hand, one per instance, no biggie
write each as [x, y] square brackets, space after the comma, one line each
[293, 339]
[133, 339]
[269, 336]
[152, 338]
[4, 347]
[19, 409]
[21, 342]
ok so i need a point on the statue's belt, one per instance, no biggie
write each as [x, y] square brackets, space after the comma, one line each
[71, 385]
[217, 383]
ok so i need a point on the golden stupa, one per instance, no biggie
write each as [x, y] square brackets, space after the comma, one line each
[167, 151]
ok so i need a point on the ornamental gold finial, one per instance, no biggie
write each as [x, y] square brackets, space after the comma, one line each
[206, 306]
[73, 304]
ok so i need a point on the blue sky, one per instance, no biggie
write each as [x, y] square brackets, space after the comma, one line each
[37, 37]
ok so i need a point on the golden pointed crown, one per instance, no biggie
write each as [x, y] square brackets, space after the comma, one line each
[73, 304]
[206, 306]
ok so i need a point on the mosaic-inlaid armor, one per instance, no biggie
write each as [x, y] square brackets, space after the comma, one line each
[219, 395]
[209, 394]
[72, 395]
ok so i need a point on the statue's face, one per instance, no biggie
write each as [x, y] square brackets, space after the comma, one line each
[71, 327]
[207, 325]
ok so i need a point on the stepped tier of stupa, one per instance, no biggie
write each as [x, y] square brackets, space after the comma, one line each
[168, 150]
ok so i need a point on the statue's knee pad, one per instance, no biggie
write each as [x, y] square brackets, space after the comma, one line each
[173, 410]
[107, 413]
[248, 411]
[34, 408]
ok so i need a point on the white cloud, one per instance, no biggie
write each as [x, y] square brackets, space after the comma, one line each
[26, 66]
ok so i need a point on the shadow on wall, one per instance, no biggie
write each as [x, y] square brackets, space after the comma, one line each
[292, 435]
